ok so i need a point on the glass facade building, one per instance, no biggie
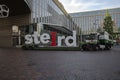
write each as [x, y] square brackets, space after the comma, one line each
[50, 12]
[92, 20]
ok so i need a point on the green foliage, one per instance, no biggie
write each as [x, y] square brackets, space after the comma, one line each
[31, 47]
[119, 29]
[108, 24]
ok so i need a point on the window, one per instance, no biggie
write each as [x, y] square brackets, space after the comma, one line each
[14, 29]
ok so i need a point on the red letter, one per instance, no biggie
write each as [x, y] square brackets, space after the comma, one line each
[53, 37]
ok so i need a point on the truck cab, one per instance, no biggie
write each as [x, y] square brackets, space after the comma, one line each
[97, 41]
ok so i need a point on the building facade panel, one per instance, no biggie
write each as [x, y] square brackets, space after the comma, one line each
[50, 12]
[90, 21]
[6, 38]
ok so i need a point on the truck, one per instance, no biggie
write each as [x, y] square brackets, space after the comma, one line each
[97, 41]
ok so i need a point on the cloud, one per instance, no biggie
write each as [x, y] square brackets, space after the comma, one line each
[83, 5]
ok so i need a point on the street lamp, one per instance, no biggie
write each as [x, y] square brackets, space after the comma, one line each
[95, 25]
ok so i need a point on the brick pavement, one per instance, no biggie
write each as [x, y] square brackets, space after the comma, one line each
[14, 66]
[17, 64]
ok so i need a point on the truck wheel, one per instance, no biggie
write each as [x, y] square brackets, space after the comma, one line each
[84, 48]
[94, 48]
[107, 47]
[89, 48]
[97, 48]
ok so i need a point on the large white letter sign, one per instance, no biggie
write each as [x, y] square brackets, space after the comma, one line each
[44, 38]
[73, 38]
[60, 40]
[36, 37]
[28, 39]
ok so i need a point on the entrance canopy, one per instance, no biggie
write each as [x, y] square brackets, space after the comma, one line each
[60, 29]
[16, 7]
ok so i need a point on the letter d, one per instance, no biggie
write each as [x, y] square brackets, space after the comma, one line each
[71, 38]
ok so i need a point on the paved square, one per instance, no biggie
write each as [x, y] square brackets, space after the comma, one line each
[17, 64]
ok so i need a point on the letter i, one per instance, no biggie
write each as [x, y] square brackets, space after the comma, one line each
[53, 37]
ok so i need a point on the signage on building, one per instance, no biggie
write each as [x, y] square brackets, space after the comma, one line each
[53, 39]
[4, 11]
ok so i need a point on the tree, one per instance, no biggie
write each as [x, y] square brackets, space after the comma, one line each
[108, 23]
[119, 29]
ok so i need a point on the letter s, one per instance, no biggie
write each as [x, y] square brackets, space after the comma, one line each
[28, 39]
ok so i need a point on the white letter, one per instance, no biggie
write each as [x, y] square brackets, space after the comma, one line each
[71, 38]
[60, 40]
[44, 38]
[28, 39]
[36, 36]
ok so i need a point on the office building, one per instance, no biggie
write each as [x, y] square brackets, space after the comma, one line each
[90, 21]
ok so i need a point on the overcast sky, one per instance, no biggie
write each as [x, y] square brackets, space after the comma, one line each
[88, 5]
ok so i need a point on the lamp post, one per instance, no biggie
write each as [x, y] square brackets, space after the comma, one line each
[95, 25]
